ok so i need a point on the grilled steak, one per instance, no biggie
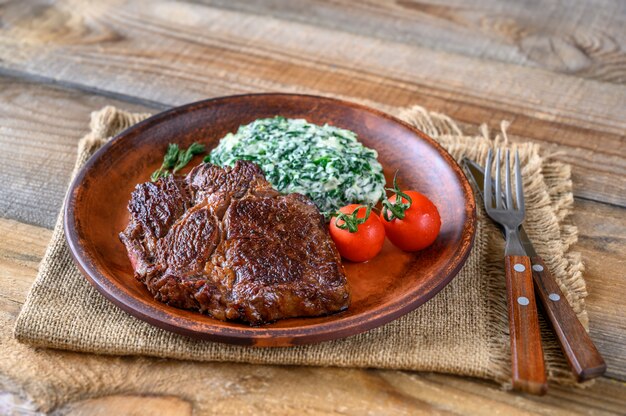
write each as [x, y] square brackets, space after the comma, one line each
[224, 242]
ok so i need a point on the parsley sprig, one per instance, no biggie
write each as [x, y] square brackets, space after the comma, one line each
[176, 159]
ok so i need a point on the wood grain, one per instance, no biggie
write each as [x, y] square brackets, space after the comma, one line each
[602, 244]
[20, 255]
[130, 405]
[528, 367]
[172, 54]
[582, 38]
[39, 131]
[258, 389]
[582, 355]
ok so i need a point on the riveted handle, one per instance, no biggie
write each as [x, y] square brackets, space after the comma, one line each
[528, 367]
[582, 355]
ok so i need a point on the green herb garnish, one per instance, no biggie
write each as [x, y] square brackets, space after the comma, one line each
[169, 161]
[186, 156]
[176, 159]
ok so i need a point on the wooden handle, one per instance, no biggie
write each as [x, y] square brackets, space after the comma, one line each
[528, 368]
[582, 355]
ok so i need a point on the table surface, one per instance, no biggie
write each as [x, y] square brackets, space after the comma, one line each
[556, 70]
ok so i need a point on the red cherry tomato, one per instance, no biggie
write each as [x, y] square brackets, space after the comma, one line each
[419, 227]
[363, 244]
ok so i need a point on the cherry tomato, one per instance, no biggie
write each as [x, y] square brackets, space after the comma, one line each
[418, 228]
[363, 244]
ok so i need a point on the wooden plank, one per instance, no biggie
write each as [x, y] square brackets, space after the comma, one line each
[20, 254]
[40, 126]
[602, 243]
[129, 405]
[585, 39]
[39, 130]
[281, 390]
[172, 54]
[596, 174]
[187, 42]
[482, 397]
[396, 393]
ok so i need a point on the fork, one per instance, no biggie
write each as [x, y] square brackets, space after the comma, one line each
[528, 367]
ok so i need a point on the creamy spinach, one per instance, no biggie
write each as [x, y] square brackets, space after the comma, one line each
[326, 163]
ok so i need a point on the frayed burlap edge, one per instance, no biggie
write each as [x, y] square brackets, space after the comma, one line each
[555, 205]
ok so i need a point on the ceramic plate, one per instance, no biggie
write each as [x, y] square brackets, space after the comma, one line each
[383, 289]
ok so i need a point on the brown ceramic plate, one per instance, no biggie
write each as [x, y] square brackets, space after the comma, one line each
[387, 287]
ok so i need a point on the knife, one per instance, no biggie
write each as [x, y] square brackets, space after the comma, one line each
[582, 355]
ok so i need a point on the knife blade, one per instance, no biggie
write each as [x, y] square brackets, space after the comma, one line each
[582, 355]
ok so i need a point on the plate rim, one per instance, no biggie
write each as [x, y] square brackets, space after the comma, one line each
[260, 336]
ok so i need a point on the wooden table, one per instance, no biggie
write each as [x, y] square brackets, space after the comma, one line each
[556, 71]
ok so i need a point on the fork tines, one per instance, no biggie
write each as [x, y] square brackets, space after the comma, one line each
[493, 192]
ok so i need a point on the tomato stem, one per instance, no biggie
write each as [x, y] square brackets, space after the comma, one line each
[350, 221]
[399, 207]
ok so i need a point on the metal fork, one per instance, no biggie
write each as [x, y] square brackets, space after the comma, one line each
[528, 368]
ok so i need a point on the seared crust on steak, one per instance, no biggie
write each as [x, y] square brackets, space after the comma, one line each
[224, 242]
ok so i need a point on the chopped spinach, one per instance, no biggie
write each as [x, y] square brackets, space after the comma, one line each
[326, 163]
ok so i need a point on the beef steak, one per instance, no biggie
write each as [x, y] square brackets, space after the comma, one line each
[224, 242]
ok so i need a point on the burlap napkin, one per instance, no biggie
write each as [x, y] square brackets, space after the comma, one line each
[463, 330]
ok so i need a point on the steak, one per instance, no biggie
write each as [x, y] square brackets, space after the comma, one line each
[224, 242]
